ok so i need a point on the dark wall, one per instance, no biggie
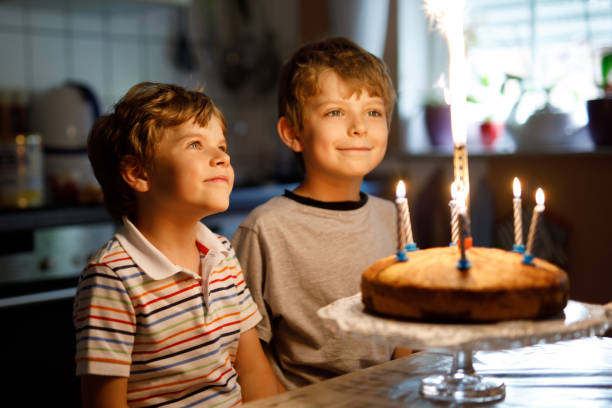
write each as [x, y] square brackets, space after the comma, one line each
[38, 346]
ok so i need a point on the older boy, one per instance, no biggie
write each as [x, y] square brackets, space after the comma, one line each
[307, 248]
[162, 313]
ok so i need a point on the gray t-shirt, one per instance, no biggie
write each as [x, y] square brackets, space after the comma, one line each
[299, 255]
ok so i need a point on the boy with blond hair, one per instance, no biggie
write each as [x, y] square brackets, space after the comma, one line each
[308, 247]
[162, 314]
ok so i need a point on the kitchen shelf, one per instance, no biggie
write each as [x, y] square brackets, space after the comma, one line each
[33, 218]
[242, 200]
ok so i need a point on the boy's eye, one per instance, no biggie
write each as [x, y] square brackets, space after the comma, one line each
[374, 113]
[195, 145]
[223, 148]
[334, 112]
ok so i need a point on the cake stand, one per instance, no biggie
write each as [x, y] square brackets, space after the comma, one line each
[462, 384]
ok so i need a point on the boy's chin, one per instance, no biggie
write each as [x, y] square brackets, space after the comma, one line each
[355, 172]
[217, 208]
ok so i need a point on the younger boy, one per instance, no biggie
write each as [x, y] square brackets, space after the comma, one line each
[307, 248]
[162, 313]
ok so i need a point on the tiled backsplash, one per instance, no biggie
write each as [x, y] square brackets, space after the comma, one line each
[43, 47]
[44, 44]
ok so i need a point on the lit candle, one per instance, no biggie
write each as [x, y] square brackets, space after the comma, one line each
[447, 15]
[403, 220]
[463, 230]
[454, 215]
[518, 217]
[533, 227]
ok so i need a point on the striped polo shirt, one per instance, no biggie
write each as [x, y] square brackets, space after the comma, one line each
[174, 333]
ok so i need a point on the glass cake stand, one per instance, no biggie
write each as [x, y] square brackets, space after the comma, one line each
[461, 384]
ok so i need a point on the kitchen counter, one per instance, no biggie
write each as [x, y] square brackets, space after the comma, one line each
[44, 249]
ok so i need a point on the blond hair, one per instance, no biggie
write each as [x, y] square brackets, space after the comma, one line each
[134, 129]
[359, 68]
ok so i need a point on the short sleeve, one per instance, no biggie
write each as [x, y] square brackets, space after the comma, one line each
[249, 313]
[248, 250]
[105, 323]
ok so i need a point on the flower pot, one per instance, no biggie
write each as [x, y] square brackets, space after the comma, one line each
[600, 121]
[490, 132]
[438, 125]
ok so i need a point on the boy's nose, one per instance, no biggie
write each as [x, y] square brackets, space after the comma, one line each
[222, 159]
[357, 126]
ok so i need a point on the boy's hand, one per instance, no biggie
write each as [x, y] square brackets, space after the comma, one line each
[400, 352]
[104, 391]
[255, 375]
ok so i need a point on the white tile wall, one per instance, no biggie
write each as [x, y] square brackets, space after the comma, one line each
[13, 67]
[157, 57]
[126, 63]
[48, 61]
[11, 16]
[47, 19]
[87, 22]
[108, 50]
[111, 49]
[126, 24]
[89, 62]
[158, 23]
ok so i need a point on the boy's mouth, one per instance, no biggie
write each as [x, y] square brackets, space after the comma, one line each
[218, 179]
[355, 149]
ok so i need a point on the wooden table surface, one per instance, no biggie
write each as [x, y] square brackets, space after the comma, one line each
[573, 373]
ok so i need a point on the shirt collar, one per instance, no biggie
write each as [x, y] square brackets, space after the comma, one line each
[153, 262]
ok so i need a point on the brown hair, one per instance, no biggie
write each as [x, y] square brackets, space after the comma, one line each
[134, 130]
[300, 75]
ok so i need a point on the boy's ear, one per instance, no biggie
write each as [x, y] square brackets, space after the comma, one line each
[134, 174]
[288, 135]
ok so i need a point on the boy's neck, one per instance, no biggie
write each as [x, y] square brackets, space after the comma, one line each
[330, 190]
[174, 237]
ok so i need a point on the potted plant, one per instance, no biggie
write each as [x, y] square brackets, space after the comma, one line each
[487, 99]
[438, 118]
[600, 109]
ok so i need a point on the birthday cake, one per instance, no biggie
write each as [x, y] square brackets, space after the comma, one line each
[497, 286]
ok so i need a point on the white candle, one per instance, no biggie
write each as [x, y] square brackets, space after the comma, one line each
[454, 214]
[518, 214]
[535, 218]
[404, 229]
[447, 15]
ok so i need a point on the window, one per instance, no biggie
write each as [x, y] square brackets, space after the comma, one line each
[554, 46]
[534, 50]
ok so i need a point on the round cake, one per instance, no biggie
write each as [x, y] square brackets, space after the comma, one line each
[497, 286]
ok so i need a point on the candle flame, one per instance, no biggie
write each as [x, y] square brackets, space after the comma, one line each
[454, 190]
[539, 196]
[516, 188]
[441, 83]
[400, 191]
[460, 198]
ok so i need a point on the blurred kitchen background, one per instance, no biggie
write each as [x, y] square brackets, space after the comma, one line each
[539, 107]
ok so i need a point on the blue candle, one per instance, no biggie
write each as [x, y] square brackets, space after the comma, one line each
[463, 230]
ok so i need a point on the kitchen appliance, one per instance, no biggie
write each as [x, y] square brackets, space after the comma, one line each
[63, 116]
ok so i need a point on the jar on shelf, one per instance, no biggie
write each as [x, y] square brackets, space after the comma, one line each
[21, 156]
